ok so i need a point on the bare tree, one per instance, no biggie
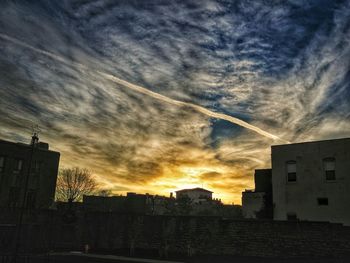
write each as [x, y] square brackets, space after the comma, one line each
[73, 183]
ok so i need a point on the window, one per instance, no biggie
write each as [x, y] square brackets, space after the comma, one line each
[292, 217]
[329, 168]
[14, 197]
[36, 167]
[291, 171]
[18, 165]
[31, 197]
[2, 163]
[322, 201]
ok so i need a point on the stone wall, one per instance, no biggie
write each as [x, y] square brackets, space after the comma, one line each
[180, 235]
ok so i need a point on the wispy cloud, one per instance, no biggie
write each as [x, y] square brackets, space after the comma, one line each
[134, 90]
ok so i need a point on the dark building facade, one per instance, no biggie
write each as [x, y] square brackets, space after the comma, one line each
[195, 194]
[17, 162]
[147, 204]
[132, 203]
[257, 203]
[263, 180]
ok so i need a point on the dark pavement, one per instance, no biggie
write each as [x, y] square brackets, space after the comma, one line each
[76, 257]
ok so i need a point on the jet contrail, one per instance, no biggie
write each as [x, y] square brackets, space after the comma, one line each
[148, 92]
[193, 106]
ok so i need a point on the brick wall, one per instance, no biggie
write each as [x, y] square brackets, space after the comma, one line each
[202, 235]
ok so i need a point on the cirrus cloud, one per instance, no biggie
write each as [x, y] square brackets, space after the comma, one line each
[133, 90]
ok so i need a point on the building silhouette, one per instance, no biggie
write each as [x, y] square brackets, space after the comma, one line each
[132, 203]
[257, 203]
[195, 194]
[200, 203]
[29, 169]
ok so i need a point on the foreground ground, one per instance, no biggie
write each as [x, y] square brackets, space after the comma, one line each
[77, 257]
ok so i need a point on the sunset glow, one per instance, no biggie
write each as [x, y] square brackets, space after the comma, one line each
[153, 98]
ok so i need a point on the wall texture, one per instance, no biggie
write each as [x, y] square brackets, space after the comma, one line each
[179, 235]
[301, 197]
[252, 203]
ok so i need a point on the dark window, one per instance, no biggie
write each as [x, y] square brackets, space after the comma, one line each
[322, 201]
[2, 163]
[329, 168]
[291, 171]
[36, 167]
[31, 198]
[292, 217]
[18, 165]
[330, 175]
[14, 197]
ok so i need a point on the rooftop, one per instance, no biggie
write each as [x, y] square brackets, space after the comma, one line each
[194, 189]
[310, 142]
[42, 146]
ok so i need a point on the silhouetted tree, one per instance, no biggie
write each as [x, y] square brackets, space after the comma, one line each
[73, 183]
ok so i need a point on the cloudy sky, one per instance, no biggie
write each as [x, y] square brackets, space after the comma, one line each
[155, 96]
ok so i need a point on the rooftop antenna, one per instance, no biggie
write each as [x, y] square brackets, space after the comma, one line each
[35, 134]
[35, 139]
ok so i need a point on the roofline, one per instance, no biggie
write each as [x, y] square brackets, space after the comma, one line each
[319, 141]
[191, 189]
[263, 169]
[21, 144]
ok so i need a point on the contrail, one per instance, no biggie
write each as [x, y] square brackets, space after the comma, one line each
[194, 106]
[148, 92]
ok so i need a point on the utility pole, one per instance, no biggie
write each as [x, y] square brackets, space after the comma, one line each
[17, 245]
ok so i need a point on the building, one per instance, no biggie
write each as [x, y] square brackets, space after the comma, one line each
[17, 162]
[311, 181]
[132, 203]
[104, 203]
[200, 202]
[195, 194]
[257, 203]
[147, 204]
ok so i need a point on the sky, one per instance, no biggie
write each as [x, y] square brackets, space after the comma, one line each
[157, 96]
